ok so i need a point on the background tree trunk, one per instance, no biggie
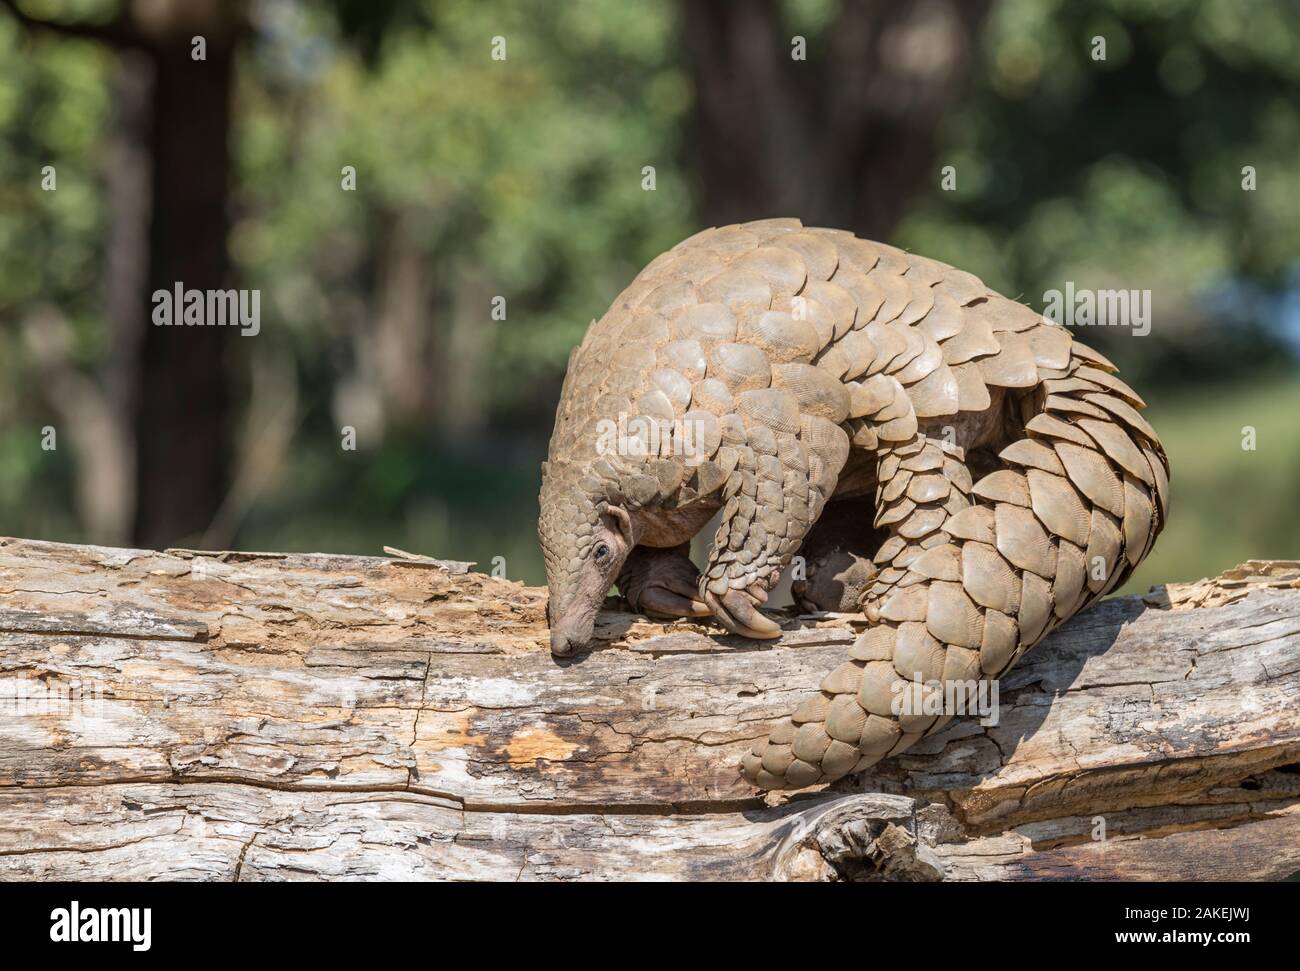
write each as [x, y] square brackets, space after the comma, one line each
[168, 389]
[841, 139]
[183, 422]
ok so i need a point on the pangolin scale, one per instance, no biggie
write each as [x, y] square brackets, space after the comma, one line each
[984, 476]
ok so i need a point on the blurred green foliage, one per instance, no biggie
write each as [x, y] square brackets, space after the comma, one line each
[519, 178]
[1230, 503]
[53, 109]
[1127, 172]
[523, 179]
[525, 172]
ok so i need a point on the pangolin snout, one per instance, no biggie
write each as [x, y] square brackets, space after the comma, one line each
[561, 646]
[571, 629]
[569, 638]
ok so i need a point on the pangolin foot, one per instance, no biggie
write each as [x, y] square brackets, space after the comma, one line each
[671, 597]
[662, 583]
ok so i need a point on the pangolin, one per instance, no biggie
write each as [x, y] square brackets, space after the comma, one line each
[945, 459]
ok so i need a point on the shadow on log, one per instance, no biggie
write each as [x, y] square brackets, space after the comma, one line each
[265, 716]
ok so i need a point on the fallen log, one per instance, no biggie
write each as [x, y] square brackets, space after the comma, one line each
[268, 716]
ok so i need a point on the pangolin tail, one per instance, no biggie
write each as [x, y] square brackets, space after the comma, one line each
[976, 571]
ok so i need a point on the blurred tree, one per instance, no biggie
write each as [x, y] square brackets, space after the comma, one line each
[52, 106]
[480, 183]
[1105, 143]
[843, 138]
[167, 389]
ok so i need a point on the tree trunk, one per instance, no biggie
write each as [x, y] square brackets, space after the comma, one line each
[841, 139]
[163, 456]
[183, 423]
[286, 716]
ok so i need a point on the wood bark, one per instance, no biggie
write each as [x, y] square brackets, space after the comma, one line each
[269, 716]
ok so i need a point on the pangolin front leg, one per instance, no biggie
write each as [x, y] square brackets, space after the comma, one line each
[787, 467]
[662, 582]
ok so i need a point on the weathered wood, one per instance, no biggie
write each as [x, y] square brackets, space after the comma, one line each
[289, 716]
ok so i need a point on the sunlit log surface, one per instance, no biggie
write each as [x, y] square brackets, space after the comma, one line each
[269, 716]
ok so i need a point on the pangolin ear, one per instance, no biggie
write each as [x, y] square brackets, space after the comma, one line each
[624, 523]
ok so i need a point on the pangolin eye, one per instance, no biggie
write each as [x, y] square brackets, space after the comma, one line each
[602, 552]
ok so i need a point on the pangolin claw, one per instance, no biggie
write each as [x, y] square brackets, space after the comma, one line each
[737, 611]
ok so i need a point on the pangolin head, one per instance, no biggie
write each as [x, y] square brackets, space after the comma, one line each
[586, 534]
